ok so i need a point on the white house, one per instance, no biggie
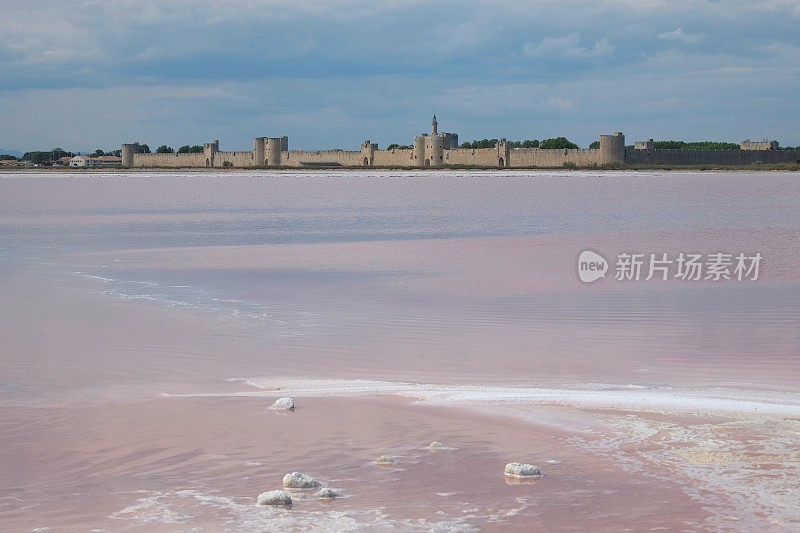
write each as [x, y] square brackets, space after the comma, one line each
[81, 161]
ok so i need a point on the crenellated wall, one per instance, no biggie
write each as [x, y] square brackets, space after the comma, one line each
[236, 159]
[441, 150]
[535, 157]
[479, 157]
[166, 160]
[397, 157]
[312, 158]
[710, 157]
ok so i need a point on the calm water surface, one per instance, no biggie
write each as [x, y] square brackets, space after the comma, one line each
[118, 287]
[436, 275]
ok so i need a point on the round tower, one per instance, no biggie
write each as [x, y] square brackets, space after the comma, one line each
[434, 125]
[612, 149]
[259, 158]
[436, 150]
[273, 152]
[127, 155]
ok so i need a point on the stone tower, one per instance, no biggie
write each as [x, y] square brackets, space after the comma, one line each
[127, 154]
[259, 152]
[434, 125]
[273, 151]
[612, 149]
[368, 153]
[209, 152]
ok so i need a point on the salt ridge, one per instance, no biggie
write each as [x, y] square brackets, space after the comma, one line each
[604, 397]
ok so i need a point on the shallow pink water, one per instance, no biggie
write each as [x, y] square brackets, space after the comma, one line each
[119, 288]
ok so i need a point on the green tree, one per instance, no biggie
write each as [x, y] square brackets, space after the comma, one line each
[557, 144]
[485, 143]
[8, 156]
[186, 149]
[164, 149]
[98, 153]
[38, 157]
[530, 143]
[595, 145]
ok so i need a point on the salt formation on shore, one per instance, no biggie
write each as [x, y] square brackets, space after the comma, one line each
[283, 404]
[297, 480]
[436, 445]
[327, 493]
[522, 470]
[384, 460]
[275, 497]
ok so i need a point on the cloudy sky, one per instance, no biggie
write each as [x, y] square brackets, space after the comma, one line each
[96, 73]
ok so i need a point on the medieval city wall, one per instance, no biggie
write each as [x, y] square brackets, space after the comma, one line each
[478, 157]
[710, 157]
[397, 157]
[301, 158]
[441, 150]
[168, 160]
[236, 159]
[535, 157]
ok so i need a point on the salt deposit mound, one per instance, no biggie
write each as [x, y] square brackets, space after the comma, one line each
[283, 404]
[296, 480]
[436, 445]
[384, 460]
[328, 493]
[275, 497]
[522, 470]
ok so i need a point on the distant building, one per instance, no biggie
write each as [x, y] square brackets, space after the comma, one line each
[436, 150]
[747, 144]
[107, 161]
[429, 150]
[81, 161]
[102, 161]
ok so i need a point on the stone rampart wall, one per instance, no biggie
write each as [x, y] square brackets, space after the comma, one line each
[237, 159]
[535, 157]
[478, 157]
[710, 157]
[398, 157]
[168, 160]
[303, 158]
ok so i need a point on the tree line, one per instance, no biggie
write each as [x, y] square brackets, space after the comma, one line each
[185, 149]
[547, 144]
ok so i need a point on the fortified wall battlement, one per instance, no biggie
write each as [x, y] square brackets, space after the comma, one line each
[441, 150]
